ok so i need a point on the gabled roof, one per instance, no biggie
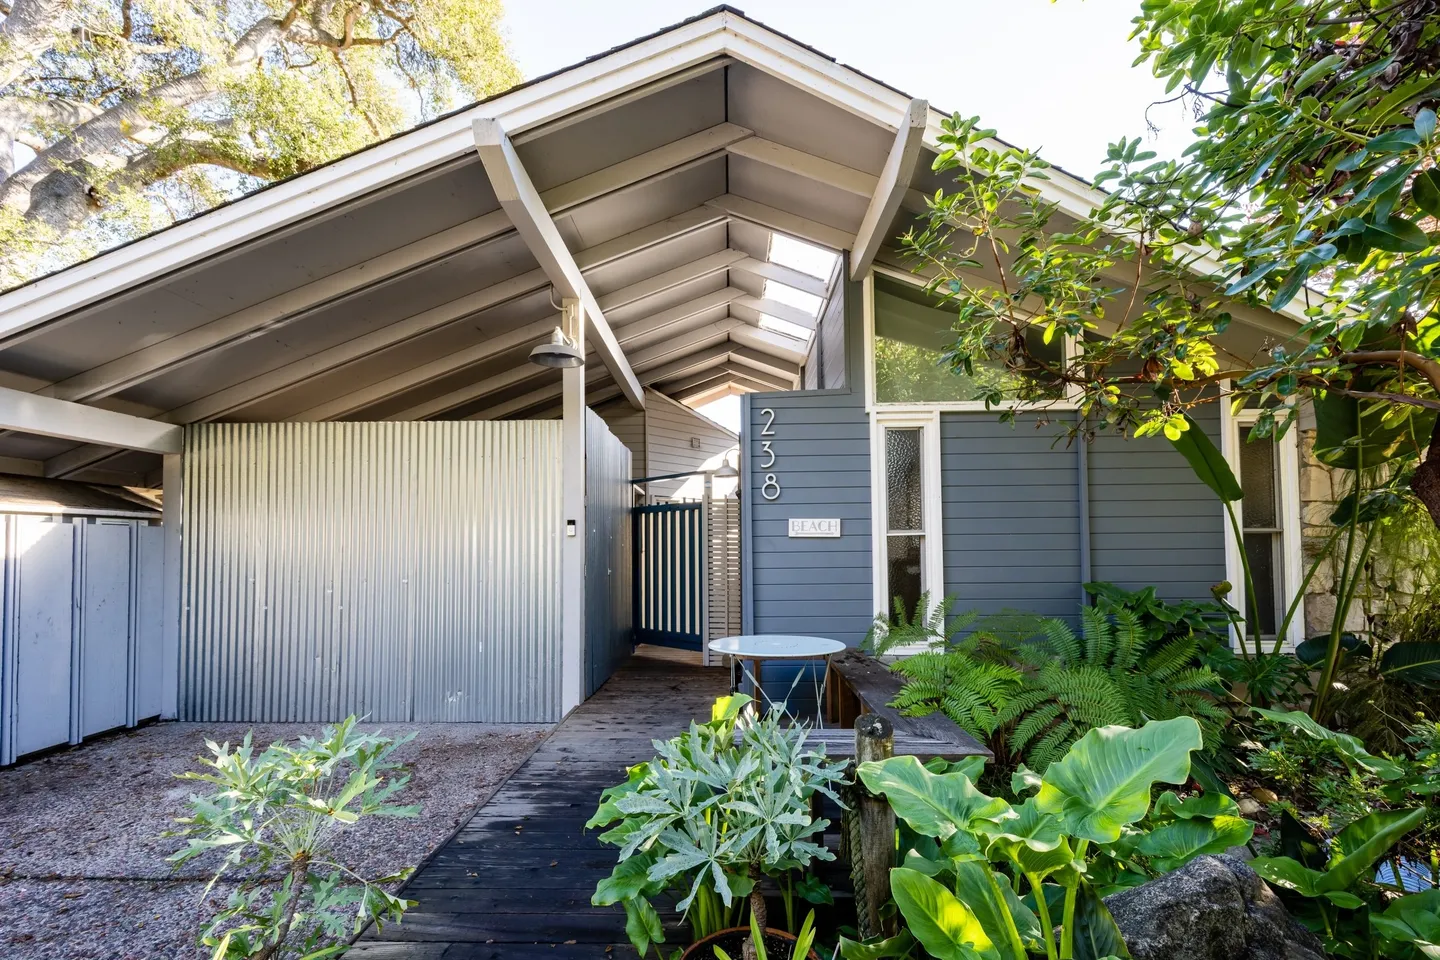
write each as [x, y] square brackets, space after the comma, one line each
[408, 280]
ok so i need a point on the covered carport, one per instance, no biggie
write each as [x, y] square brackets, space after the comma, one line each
[633, 200]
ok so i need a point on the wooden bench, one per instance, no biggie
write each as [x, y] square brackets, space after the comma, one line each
[858, 683]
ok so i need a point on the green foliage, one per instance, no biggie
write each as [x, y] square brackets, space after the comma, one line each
[1030, 687]
[971, 857]
[277, 813]
[709, 816]
[145, 111]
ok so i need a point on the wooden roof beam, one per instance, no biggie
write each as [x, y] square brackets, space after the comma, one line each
[890, 190]
[532, 221]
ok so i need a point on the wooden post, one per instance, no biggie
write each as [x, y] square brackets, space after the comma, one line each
[874, 854]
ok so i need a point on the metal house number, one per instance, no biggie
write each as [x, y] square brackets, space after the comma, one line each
[770, 489]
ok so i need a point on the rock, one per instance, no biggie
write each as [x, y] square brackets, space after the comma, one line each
[1213, 908]
[1249, 806]
[1264, 796]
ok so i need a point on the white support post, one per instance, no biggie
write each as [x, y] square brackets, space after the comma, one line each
[706, 563]
[172, 505]
[572, 553]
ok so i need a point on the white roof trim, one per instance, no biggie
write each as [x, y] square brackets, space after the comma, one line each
[551, 99]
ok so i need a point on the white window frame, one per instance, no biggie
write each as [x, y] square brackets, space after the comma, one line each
[932, 570]
[1068, 402]
[1287, 457]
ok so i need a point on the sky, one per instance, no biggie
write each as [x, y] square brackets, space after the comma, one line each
[1054, 76]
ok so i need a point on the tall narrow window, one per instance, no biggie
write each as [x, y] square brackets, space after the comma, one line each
[1263, 527]
[905, 516]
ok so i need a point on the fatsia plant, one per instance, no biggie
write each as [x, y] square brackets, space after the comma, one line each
[710, 816]
[990, 879]
[279, 812]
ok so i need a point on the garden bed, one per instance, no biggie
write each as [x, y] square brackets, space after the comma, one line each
[82, 859]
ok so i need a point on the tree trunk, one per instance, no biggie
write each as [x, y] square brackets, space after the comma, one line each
[1426, 481]
[32, 27]
[759, 911]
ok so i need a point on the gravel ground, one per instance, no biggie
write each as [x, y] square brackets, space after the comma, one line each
[82, 863]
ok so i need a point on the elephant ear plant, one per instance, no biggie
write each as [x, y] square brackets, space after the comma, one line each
[276, 816]
[709, 817]
[985, 879]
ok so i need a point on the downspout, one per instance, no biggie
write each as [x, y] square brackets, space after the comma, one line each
[1082, 486]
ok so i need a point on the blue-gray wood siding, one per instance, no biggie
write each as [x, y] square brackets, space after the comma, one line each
[1151, 520]
[1010, 514]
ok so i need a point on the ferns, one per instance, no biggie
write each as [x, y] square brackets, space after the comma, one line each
[1032, 687]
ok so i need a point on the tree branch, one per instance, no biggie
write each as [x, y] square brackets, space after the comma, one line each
[1428, 368]
[30, 28]
[106, 134]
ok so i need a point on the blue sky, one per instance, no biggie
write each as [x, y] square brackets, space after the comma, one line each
[1054, 76]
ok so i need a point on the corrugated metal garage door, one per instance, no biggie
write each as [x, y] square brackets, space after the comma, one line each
[401, 571]
[81, 634]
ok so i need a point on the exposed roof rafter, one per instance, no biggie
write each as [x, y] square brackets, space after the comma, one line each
[890, 189]
[532, 221]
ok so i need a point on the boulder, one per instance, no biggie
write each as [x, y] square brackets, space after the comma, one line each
[1213, 908]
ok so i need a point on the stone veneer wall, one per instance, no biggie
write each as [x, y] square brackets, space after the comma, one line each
[1320, 487]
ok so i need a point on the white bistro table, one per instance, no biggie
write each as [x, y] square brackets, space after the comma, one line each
[757, 648]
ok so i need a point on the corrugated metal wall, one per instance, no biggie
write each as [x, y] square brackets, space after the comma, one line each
[405, 571]
[607, 552]
[81, 632]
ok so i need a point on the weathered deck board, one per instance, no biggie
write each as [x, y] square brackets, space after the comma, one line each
[515, 882]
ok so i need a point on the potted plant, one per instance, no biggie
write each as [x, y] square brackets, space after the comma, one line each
[710, 817]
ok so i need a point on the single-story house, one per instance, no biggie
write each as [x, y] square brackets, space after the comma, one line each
[373, 503]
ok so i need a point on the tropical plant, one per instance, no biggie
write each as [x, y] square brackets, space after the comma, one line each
[755, 948]
[276, 815]
[709, 817]
[1334, 891]
[1162, 620]
[1030, 687]
[118, 117]
[1328, 781]
[982, 877]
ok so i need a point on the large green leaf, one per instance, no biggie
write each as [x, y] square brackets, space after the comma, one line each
[1207, 462]
[974, 889]
[1104, 782]
[935, 805]
[628, 879]
[1416, 662]
[1350, 747]
[1414, 920]
[1364, 841]
[1288, 873]
[1351, 433]
[1168, 805]
[1173, 845]
[1096, 935]
[1396, 235]
[945, 927]
[900, 945]
[642, 925]
[1032, 838]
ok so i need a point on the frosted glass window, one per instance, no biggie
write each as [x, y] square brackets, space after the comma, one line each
[902, 480]
[913, 334]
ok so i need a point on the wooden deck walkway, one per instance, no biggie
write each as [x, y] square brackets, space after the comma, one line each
[515, 882]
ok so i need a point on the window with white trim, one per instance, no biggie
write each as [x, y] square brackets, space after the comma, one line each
[1269, 515]
[910, 332]
[908, 550]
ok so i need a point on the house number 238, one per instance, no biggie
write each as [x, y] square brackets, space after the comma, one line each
[770, 489]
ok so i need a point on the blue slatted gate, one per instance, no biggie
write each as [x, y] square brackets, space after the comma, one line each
[669, 581]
